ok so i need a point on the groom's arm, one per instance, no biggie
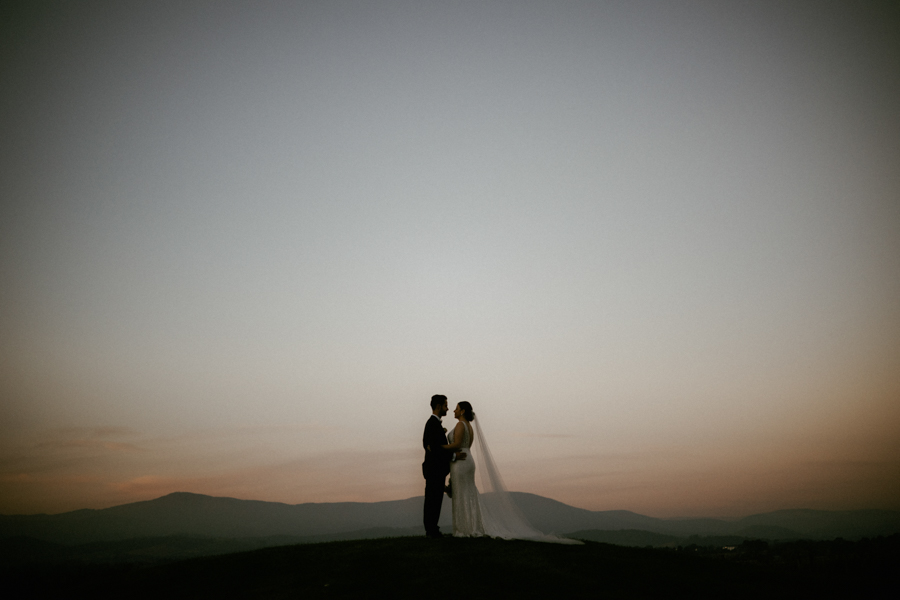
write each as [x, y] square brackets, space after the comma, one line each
[434, 439]
[426, 437]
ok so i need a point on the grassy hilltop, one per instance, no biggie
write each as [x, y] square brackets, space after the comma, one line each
[484, 568]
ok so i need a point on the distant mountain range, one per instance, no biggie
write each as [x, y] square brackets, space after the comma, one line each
[273, 523]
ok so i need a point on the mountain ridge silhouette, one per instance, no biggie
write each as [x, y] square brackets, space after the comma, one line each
[186, 513]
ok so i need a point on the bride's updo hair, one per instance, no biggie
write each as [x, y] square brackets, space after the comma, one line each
[467, 411]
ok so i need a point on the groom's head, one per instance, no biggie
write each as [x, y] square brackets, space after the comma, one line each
[439, 405]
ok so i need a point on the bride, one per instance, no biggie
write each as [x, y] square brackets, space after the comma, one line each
[493, 512]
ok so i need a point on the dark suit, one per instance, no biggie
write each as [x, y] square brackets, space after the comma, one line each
[434, 469]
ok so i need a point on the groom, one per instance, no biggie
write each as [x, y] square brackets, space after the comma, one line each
[436, 465]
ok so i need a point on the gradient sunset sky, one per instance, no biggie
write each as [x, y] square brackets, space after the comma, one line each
[655, 244]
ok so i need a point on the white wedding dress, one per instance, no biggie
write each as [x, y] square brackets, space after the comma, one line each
[467, 521]
[491, 512]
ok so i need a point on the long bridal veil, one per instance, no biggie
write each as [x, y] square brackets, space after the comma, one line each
[501, 517]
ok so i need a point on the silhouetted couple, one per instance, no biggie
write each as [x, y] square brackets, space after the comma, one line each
[443, 456]
[491, 513]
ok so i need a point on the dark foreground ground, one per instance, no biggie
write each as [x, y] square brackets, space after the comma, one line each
[482, 568]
